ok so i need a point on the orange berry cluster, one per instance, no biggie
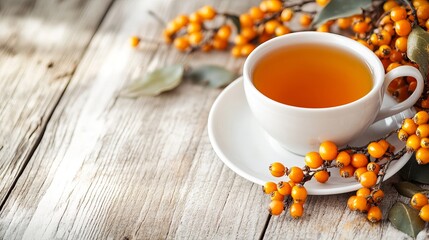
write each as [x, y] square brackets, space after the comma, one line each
[415, 133]
[206, 29]
[367, 164]
[389, 38]
[420, 202]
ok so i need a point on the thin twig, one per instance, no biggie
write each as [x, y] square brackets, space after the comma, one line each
[157, 18]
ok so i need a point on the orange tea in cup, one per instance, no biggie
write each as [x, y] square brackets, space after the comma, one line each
[312, 76]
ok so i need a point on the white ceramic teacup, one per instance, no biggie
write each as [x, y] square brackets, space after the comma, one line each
[301, 130]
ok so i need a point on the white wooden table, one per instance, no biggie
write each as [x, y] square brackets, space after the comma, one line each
[76, 162]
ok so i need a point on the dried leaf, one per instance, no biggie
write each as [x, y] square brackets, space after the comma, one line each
[406, 219]
[340, 8]
[418, 48]
[212, 75]
[235, 20]
[154, 83]
[412, 171]
[407, 189]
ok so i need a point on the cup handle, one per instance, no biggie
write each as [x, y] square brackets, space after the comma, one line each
[401, 71]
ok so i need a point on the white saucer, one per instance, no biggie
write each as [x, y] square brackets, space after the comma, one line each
[244, 147]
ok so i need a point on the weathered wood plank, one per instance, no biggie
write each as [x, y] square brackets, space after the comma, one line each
[41, 43]
[124, 169]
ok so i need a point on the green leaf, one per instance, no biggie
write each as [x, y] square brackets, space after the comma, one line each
[407, 189]
[339, 9]
[154, 83]
[406, 219]
[412, 171]
[418, 48]
[212, 75]
[235, 20]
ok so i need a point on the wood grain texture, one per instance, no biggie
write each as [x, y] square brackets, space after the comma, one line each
[117, 168]
[41, 43]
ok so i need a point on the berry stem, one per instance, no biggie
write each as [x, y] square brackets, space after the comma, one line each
[161, 21]
[413, 11]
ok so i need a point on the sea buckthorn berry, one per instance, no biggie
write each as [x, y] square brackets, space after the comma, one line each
[374, 214]
[385, 51]
[421, 117]
[418, 3]
[368, 179]
[263, 6]
[360, 27]
[422, 130]
[413, 143]
[286, 15]
[195, 38]
[359, 160]
[392, 66]
[240, 40]
[363, 192]
[167, 36]
[270, 26]
[277, 169]
[256, 13]
[365, 43]
[195, 18]
[305, 20]
[347, 171]
[398, 13]
[377, 195]
[358, 172]
[373, 167]
[291, 183]
[284, 188]
[387, 6]
[323, 28]
[401, 44]
[246, 49]
[424, 213]
[264, 37]
[194, 27]
[299, 193]
[269, 187]
[343, 159]
[281, 30]
[277, 196]
[376, 150]
[350, 202]
[322, 176]
[427, 24]
[418, 201]
[396, 56]
[207, 12]
[248, 32]
[384, 144]
[344, 23]
[276, 207]
[273, 5]
[374, 39]
[219, 43]
[328, 150]
[134, 41]
[313, 160]
[422, 156]
[246, 20]
[402, 135]
[424, 142]
[236, 51]
[181, 43]
[296, 174]
[409, 126]
[296, 210]
[224, 32]
[359, 204]
[388, 28]
[423, 12]
[384, 38]
[181, 20]
[322, 3]
[403, 27]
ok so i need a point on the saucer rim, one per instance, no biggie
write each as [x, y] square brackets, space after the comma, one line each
[313, 191]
